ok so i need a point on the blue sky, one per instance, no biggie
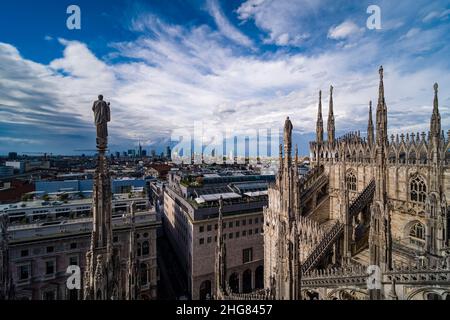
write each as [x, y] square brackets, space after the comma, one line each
[235, 65]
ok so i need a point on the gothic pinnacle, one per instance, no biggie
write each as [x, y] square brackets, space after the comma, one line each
[319, 125]
[331, 125]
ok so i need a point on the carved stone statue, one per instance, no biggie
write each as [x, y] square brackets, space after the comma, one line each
[288, 132]
[102, 116]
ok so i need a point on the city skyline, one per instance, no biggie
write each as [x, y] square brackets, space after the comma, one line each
[240, 65]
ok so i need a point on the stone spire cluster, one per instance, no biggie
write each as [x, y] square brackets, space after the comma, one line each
[380, 237]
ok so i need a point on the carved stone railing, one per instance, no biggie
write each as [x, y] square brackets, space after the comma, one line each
[260, 294]
[354, 275]
[421, 273]
[362, 200]
[323, 247]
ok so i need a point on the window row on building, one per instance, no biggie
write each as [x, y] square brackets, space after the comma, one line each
[231, 224]
[232, 235]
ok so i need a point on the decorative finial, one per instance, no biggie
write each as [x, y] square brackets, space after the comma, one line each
[436, 86]
[381, 72]
[331, 89]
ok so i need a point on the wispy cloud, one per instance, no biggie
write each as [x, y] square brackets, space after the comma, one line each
[224, 25]
[443, 15]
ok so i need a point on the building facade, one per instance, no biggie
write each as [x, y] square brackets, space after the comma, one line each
[40, 252]
[190, 222]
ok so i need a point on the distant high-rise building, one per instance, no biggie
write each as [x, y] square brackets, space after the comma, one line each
[12, 155]
[168, 153]
[140, 150]
[117, 154]
[144, 153]
[153, 153]
[131, 152]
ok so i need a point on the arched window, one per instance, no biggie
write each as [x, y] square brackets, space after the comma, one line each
[139, 250]
[418, 189]
[417, 234]
[259, 278]
[144, 274]
[402, 158]
[247, 281]
[433, 296]
[205, 290]
[350, 180]
[392, 157]
[233, 282]
[423, 157]
[145, 248]
[412, 158]
[347, 155]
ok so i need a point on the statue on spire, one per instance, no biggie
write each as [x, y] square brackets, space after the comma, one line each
[288, 137]
[102, 116]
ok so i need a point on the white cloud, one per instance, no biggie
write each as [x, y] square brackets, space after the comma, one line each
[225, 27]
[282, 19]
[344, 30]
[177, 75]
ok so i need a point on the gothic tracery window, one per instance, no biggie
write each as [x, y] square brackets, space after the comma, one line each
[417, 234]
[418, 191]
[350, 180]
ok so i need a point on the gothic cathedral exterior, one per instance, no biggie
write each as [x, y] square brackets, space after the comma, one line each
[369, 221]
